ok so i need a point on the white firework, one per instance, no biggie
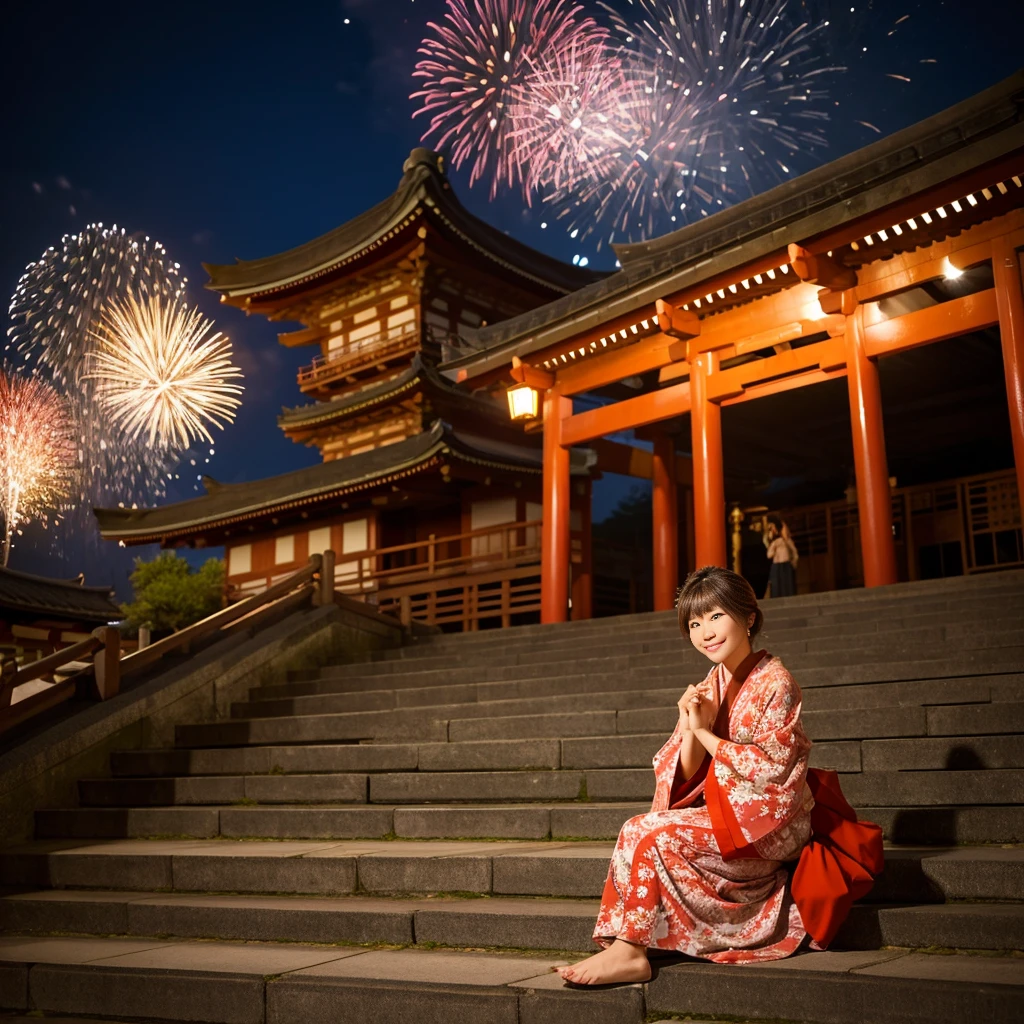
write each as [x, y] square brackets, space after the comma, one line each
[158, 375]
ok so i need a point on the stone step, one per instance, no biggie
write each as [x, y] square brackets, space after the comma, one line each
[935, 825]
[558, 696]
[278, 983]
[517, 922]
[966, 622]
[906, 600]
[507, 868]
[609, 713]
[623, 672]
[671, 654]
[786, 644]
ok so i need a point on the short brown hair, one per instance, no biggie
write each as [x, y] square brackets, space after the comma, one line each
[712, 587]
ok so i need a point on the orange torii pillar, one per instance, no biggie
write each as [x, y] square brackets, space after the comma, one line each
[665, 506]
[708, 472]
[874, 504]
[554, 551]
[1010, 303]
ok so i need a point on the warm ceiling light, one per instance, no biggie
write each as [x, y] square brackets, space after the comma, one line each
[950, 272]
[523, 402]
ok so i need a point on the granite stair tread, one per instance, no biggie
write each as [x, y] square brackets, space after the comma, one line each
[271, 983]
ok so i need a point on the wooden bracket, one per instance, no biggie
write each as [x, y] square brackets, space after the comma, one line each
[676, 322]
[820, 269]
[524, 373]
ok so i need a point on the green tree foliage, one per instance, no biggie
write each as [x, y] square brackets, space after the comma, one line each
[170, 596]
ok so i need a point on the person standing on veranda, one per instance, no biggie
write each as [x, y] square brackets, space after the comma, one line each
[783, 556]
[703, 872]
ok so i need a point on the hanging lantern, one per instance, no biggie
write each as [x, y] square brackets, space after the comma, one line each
[523, 402]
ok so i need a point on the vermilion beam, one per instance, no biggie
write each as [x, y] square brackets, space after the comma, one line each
[874, 505]
[1010, 298]
[633, 412]
[936, 323]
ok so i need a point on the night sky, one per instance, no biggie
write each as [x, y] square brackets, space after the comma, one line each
[234, 129]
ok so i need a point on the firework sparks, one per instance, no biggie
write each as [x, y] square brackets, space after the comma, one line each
[37, 452]
[157, 374]
[564, 118]
[725, 96]
[55, 307]
[474, 64]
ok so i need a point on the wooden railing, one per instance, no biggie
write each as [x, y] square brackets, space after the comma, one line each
[101, 678]
[365, 351]
[424, 579]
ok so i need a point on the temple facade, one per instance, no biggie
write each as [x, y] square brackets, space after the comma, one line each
[428, 494]
[845, 350]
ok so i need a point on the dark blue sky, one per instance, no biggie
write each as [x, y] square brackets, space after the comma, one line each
[241, 129]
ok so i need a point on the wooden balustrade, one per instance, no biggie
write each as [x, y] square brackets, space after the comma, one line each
[367, 351]
[310, 585]
[422, 579]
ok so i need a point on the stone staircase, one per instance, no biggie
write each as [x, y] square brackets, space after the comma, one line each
[423, 835]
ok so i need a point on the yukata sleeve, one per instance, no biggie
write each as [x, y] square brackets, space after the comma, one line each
[756, 787]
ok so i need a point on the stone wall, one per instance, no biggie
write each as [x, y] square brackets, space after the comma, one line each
[43, 771]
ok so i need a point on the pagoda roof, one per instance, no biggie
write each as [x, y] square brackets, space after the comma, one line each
[67, 599]
[224, 504]
[424, 187]
[979, 131]
[416, 376]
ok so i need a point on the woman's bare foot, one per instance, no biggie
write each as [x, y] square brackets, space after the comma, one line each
[620, 962]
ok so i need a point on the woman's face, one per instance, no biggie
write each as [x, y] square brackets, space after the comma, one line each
[717, 635]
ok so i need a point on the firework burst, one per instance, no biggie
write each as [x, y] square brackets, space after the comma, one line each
[474, 64]
[37, 452]
[727, 99]
[157, 373]
[55, 307]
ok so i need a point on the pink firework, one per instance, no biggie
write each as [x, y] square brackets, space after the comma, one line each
[566, 118]
[37, 453]
[473, 66]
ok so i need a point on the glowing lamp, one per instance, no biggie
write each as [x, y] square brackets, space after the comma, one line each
[950, 272]
[523, 402]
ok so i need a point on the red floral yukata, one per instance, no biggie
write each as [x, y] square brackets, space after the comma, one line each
[669, 886]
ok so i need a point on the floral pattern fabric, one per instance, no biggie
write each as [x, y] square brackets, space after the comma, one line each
[670, 887]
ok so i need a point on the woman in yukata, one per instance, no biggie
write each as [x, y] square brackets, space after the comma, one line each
[703, 872]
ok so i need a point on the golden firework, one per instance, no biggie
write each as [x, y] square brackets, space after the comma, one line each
[158, 373]
[37, 452]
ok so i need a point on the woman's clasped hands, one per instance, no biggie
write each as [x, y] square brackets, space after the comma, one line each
[696, 710]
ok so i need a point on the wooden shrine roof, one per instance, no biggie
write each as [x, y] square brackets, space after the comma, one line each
[60, 599]
[980, 131]
[417, 376]
[225, 504]
[424, 185]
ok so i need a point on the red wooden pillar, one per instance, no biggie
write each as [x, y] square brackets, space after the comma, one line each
[665, 505]
[874, 504]
[1010, 303]
[554, 552]
[708, 473]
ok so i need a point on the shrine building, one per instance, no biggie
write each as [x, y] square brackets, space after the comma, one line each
[845, 351]
[866, 313]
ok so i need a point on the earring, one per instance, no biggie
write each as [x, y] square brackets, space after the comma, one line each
[748, 632]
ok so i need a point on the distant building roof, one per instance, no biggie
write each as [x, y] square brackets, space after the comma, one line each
[424, 187]
[417, 376]
[60, 599]
[965, 137]
[229, 503]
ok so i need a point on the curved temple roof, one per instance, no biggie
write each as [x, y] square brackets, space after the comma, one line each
[424, 184]
[229, 503]
[979, 130]
[40, 595]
